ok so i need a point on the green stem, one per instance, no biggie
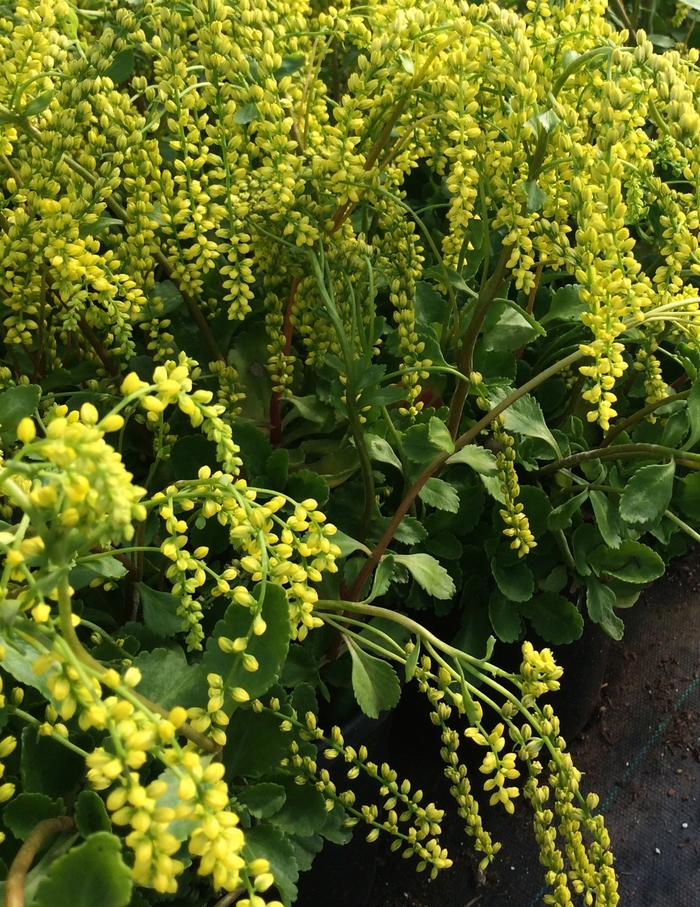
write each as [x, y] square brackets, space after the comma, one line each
[622, 452]
[70, 638]
[30, 719]
[577, 64]
[683, 525]
[439, 461]
[638, 416]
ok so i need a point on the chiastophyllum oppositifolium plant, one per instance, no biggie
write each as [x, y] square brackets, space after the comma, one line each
[314, 318]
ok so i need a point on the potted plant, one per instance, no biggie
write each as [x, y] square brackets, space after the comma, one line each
[318, 318]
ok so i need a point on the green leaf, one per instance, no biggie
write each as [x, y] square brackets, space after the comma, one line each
[268, 843]
[417, 445]
[24, 812]
[167, 679]
[555, 580]
[374, 681]
[513, 576]
[90, 814]
[38, 104]
[290, 65]
[407, 63]
[607, 519]
[428, 304]
[270, 649]
[347, 544]
[246, 114]
[555, 618]
[107, 567]
[632, 562]
[19, 656]
[382, 577]
[439, 435]
[99, 226]
[561, 516]
[382, 396]
[262, 800]
[444, 545]
[600, 602]
[647, 494]
[440, 494]
[15, 404]
[307, 484]
[428, 573]
[300, 666]
[92, 875]
[311, 408]
[507, 327]
[444, 274]
[525, 417]
[379, 449]
[585, 539]
[170, 299]
[159, 611]
[255, 744]
[304, 810]
[412, 660]
[566, 305]
[535, 196]
[547, 120]
[410, 532]
[47, 767]
[189, 453]
[480, 459]
[505, 617]
[121, 66]
[688, 495]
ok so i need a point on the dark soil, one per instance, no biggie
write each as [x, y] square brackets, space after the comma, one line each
[640, 752]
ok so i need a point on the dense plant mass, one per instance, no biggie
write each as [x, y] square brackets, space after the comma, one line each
[313, 316]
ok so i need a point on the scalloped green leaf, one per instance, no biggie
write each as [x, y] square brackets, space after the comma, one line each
[270, 649]
[159, 611]
[555, 618]
[167, 678]
[374, 681]
[607, 519]
[632, 562]
[269, 843]
[15, 404]
[262, 800]
[24, 812]
[505, 618]
[91, 814]
[480, 459]
[647, 494]
[92, 875]
[600, 602]
[429, 574]
[440, 494]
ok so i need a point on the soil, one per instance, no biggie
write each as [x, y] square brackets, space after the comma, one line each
[640, 751]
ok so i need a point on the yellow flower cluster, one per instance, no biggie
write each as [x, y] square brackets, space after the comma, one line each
[539, 671]
[7, 746]
[517, 523]
[172, 385]
[259, 160]
[73, 479]
[289, 551]
[190, 794]
[419, 838]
